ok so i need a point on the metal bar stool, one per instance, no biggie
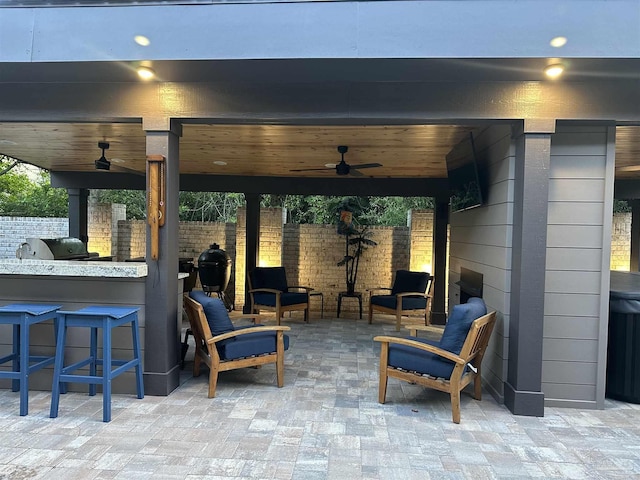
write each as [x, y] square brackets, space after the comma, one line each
[22, 316]
[95, 317]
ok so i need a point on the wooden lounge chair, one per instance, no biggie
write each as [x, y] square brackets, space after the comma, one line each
[411, 292]
[448, 365]
[270, 291]
[229, 347]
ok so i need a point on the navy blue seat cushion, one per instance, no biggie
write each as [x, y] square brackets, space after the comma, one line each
[269, 277]
[407, 281]
[408, 303]
[414, 360]
[269, 299]
[215, 311]
[459, 324]
[453, 337]
[258, 343]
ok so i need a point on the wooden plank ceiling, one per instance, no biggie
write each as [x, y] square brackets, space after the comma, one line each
[269, 150]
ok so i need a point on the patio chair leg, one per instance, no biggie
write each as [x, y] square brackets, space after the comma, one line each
[382, 387]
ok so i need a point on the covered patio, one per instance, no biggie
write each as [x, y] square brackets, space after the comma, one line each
[325, 423]
[388, 82]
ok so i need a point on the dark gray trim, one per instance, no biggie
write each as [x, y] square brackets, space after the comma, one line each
[252, 253]
[327, 103]
[634, 264]
[78, 214]
[440, 222]
[523, 388]
[396, 187]
[163, 316]
[627, 190]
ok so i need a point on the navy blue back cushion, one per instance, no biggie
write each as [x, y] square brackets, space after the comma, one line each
[459, 324]
[407, 281]
[215, 311]
[269, 277]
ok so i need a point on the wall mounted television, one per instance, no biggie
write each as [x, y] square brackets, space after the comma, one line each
[464, 180]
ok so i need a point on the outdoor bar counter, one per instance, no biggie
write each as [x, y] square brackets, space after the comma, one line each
[75, 284]
[623, 348]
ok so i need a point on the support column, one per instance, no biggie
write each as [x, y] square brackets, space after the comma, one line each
[523, 389]
[440, 222]
[252, 253]
[163, 312]
[78, 213]
[634, 264]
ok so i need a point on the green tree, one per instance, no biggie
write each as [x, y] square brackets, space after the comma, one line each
[29, 195]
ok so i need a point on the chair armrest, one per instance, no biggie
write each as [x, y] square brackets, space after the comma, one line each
[245, 331]
[421, 346]
[424, 328]
[265, 290]
[371, 290]
[412, 294]
[299, 287]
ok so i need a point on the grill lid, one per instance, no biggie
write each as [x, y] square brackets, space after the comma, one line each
[67, 248]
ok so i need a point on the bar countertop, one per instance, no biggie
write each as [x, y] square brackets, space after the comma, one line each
[72, 268]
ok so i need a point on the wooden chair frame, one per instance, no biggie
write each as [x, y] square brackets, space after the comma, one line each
[470, 356]
[398, 311]
[207, 353]
[279, 309]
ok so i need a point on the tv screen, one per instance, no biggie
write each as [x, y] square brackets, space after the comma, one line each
[464, 181]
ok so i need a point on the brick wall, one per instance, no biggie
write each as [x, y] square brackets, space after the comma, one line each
[15, 230]
[621, 241]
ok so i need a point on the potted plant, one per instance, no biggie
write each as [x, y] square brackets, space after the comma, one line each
[357, 240]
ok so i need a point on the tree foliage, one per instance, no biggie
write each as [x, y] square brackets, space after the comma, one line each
[25, 193]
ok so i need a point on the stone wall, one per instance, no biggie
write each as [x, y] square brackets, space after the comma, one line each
[15, 230]
[621, 241]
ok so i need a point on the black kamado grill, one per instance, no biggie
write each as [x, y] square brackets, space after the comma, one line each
[214, 269]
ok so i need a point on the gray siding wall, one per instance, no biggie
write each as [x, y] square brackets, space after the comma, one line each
[481, 241]
[578, 253]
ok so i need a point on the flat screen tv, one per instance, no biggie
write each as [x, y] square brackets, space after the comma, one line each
[464, 181]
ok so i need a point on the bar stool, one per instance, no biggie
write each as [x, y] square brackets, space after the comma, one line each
[22, 316]
[95, 317]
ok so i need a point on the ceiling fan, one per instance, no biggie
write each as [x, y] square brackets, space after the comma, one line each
[342, 168]
[103, 164]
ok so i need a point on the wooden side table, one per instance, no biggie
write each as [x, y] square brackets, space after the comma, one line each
[342, 295]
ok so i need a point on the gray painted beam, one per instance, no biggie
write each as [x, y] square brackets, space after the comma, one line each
[634, 264]
[400, 187]
[339, 103]
[523, 388]
[164, 315]
[440, 222]
[78, 214]
[252, 253]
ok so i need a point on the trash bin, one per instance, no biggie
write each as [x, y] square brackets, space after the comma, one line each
[623, 347]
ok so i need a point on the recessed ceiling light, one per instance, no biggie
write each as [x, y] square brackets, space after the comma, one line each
[554, 70]
[558, 42]
[142, 40]
[146, 73]
[219, 162]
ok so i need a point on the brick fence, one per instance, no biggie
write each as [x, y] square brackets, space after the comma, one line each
[308, 252]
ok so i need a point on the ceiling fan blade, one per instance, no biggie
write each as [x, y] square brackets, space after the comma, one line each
[366, 165]
[355, 173]
[313, 169]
